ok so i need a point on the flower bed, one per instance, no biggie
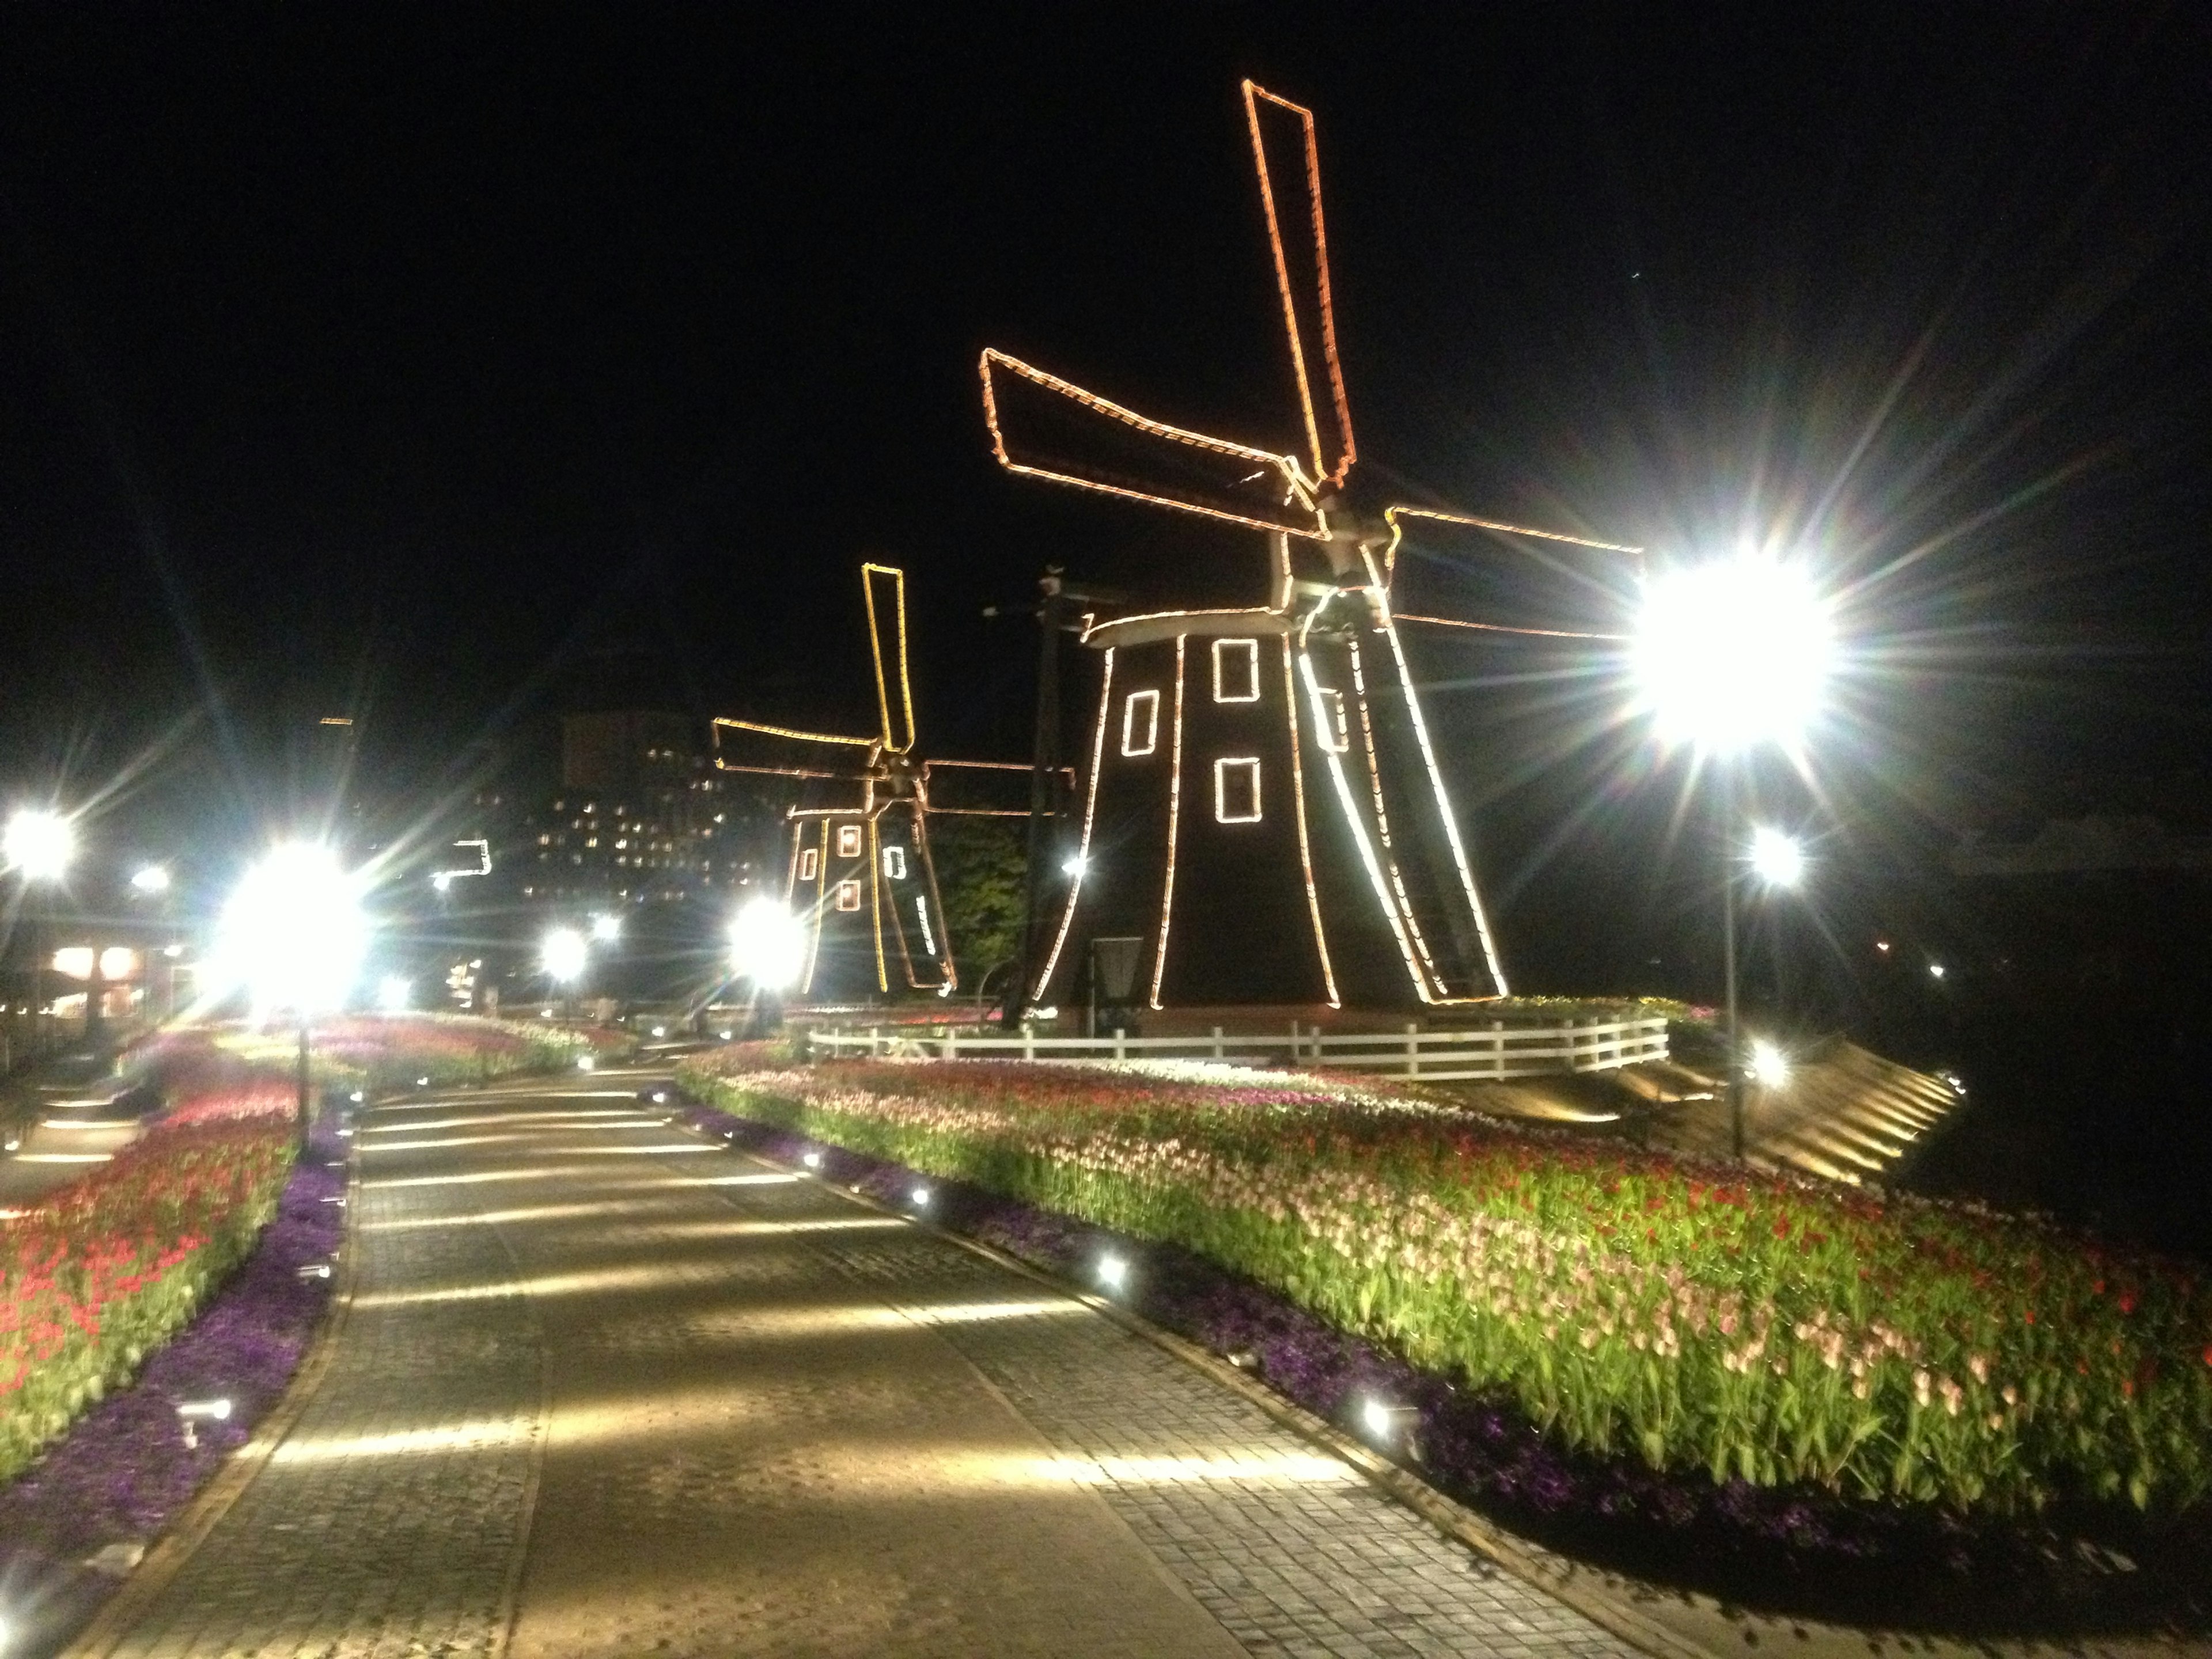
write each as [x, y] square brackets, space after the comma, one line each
[1629, 1306]
[96, 1276]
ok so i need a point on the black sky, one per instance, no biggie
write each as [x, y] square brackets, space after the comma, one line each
[418, 359]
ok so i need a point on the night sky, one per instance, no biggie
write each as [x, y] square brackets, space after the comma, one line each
[453, 365]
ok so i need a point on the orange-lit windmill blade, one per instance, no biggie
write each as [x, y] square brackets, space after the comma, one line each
[885, 587]
[1044, 427]
[1288, 158]
[1550, 584]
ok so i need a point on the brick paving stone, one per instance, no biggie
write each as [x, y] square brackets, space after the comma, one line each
[760, 1420]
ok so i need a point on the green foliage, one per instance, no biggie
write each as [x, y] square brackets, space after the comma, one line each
[981, 865]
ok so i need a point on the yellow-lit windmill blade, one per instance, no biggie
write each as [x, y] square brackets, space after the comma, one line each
[1288, 159]
[1044, 427]
[885, 587]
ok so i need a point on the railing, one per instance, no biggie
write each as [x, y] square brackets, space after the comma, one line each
[1499, 1051]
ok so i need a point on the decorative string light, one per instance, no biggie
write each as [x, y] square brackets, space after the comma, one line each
[1305, 848]
[1175, 817]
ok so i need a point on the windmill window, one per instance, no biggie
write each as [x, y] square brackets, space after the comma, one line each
[895, 863]
[1335, 735]
[809, 864]
[1140, 723]
[1236, 671]
[848, 896]
[848, 841]
[1237, 790]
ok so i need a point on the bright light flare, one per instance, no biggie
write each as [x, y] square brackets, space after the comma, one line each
[1732, 653]
[150, 878]
[1770, 1066]
[606, 929]
[562, 953]
[1778, 858]
[768, 946]
[39, 843]
[292, 933]
[395, 993]
[1113, 1272]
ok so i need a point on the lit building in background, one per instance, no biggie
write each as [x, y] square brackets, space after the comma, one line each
[641, 818]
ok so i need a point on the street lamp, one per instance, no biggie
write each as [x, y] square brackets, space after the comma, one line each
[1730, 656]
[1777, 859]
[150, 880]
[605, 928]
[38, 844]
[293, 935]
[768, 946]
[564, 953]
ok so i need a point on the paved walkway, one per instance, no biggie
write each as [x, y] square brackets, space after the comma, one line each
[608, 1390]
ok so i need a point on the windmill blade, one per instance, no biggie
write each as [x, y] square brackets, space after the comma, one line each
[885, 587]
[783, 751]
[1485, 574]
[1048, 427]
[1288, 158]
[983, 789]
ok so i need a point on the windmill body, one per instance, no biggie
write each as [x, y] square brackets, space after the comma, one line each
[858, 870]
[1264, 821]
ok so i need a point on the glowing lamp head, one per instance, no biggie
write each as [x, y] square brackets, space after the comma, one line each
[1776, 858]
[1769, 1066]
[562, 953]
[766, 944]
[1113, 1272]
[150, 880]
[1734, 654]
[606, 929]
[1075, 866]
[39, 843]
[292, 933]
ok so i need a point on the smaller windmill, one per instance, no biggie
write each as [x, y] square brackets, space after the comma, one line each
[860, 870]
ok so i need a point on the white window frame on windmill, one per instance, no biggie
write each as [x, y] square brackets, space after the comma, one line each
[1332, 729]
[1150, 702]
[1250, 766]
[809, 863]
[848, 890]
[1249, 672]
[848, 841]
[895, 866]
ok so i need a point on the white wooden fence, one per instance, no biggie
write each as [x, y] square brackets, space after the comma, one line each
[1502, 1049]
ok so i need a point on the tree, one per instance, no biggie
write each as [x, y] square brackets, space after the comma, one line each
[980, 869]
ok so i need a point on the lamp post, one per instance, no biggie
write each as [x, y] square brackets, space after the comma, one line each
[39, 844]
[1729, 656]
[293, 935]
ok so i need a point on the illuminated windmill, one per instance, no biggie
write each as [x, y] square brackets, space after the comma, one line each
[860, 870]
[1264, 820]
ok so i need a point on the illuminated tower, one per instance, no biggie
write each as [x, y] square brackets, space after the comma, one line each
[1264, 820]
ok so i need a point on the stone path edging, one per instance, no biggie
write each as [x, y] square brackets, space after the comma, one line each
[167, 1557]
